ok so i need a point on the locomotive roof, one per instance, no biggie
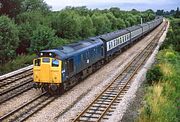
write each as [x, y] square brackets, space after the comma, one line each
[113, 35]
[68, 50]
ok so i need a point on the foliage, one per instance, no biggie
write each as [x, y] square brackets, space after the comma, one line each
[18, 62]
[171, 13]
[8, 39]
[154, 75]
[121, 24]
[14, 7]
[102, 23]
[173, 37]
[162, 98]
[67, 24]
[87, 28]
[25, 34]
[34, 5]
[42, 38]
[10, 7]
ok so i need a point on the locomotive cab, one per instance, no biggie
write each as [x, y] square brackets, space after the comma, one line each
[47, 72]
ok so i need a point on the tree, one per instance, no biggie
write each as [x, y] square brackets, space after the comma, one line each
[113, 20]
[35, 5]
[25, 34]
[177, 14]
[116, 11]
[67, 24]
[101, 23]
[42, 38]
[8, 39]
[121, 24]
[10, 7]
[14, 7]
[34, 18]
[87, 28]
[160, 12]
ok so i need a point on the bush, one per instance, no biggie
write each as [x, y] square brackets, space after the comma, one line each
[19, 62]
[154, 75]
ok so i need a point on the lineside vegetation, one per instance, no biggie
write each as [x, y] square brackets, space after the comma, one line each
[162, 98]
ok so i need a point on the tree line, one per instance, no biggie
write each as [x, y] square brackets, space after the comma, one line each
[171, 13]
[27, 26]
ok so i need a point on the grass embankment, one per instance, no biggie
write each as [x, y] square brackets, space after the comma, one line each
[19, 62]
[162, 98]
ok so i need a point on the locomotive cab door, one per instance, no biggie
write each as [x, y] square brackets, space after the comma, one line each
[70, 67]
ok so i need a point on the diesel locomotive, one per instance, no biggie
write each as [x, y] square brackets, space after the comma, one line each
[59, 69]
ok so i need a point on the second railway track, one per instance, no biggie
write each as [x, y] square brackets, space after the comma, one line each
[8, 80]
[105, 103]
[28, 109]
[15, 85]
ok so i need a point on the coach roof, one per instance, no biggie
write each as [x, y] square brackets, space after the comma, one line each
[113, 35]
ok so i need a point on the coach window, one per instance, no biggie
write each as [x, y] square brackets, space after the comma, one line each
[37, 62]
[109, 45]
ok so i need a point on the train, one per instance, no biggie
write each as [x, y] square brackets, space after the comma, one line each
[59, 69]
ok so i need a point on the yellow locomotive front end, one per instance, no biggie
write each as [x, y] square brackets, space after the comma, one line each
[47, 73]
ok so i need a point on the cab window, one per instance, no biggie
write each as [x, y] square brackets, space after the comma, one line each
[37, 62]
[55, 63]
[46, 60]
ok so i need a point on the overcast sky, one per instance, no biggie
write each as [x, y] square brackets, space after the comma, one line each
[122, 4]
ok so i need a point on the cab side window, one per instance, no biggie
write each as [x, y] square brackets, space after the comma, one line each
[37, 62]
[55, 63]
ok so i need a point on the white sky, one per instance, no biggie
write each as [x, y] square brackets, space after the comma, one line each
[124, 4]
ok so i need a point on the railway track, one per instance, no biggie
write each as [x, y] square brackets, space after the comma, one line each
[105, 103]
[13, 78]
[15, 90]
[15, 85]
[28, 109]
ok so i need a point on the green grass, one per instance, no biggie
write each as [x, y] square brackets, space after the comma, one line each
[19, 62]
[162, 99]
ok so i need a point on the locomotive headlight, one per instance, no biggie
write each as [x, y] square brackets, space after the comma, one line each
[50, 54]
[41, 54]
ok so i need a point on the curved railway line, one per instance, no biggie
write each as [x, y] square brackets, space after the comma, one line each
[105, 103]
[28, 109]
